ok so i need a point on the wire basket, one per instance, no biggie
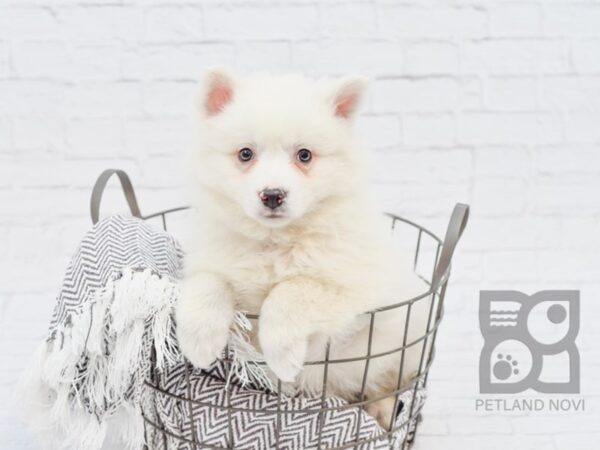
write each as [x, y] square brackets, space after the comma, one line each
[431, 257]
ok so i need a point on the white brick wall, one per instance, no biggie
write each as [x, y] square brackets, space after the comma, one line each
[495, 103]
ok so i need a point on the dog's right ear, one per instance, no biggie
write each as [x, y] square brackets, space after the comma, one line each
[216, 91]
[347, 95]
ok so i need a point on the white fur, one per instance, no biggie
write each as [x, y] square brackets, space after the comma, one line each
[313, 270]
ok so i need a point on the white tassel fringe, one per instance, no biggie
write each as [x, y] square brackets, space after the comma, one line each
[66, 401]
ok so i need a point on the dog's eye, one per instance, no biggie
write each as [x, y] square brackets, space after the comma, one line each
[245, 154]
[304, 155]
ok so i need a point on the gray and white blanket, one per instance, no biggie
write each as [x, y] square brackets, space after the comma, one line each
[111, 366]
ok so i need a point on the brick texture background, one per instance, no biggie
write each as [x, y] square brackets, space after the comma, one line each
[493, 103]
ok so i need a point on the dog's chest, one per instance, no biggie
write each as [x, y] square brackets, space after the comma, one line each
[258, 268]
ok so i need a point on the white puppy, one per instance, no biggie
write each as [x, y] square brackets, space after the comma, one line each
[285, 228]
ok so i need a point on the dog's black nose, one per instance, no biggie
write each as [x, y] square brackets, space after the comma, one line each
[272, 198]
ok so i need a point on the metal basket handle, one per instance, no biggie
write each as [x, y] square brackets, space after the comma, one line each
[456, 226]
[98, 191]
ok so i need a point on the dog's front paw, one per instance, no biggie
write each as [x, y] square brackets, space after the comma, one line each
[203, 341]
[203, 327]
[283, 344]
[284, 356]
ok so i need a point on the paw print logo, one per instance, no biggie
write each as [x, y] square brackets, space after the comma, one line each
[505, 367]
[528, 340]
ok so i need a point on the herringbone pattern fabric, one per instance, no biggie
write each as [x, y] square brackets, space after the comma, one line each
[253, 422]
[111, 245]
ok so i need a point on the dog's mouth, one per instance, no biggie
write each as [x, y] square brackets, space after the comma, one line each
[273, 214]
[271, 217]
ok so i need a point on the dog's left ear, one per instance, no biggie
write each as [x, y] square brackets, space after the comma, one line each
[216, 91]
[347, 96]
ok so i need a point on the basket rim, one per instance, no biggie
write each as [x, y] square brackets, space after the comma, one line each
[444, 252]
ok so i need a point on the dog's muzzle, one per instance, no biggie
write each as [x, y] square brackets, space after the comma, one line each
[272, 198]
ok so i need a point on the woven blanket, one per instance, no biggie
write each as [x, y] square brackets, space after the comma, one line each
[256, 420]
[112, 342]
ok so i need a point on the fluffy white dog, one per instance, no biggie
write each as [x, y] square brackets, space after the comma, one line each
[285, 228]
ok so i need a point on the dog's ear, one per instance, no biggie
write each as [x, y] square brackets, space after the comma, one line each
[347, 96]
[216, 91]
